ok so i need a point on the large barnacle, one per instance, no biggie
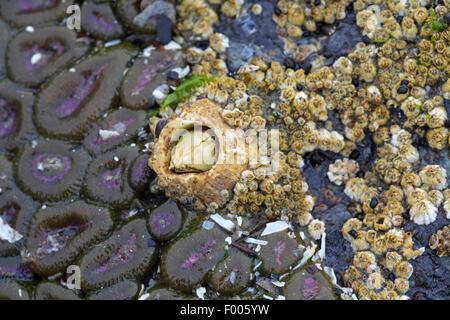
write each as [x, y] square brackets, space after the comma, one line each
[198, 157]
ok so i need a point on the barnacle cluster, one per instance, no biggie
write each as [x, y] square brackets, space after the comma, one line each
[295, 17]
[440, 241]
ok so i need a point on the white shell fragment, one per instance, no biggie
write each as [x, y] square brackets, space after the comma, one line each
[277, 283]
[208, 225]
[201, 292]
[107, 134]
[256, 241]
[161, 92]
[329, 271]
[309, 252]
[182, 72]
[224, 223]
[7, 233]
[274, 227]
[147, 51]
[144, 296]
[172, 45]
[112, 43]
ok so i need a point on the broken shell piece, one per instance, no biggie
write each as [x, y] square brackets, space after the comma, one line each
[203, 188]
[7, 233]
[201, 292]
[224, 223]
[274, 227]
[256, 241]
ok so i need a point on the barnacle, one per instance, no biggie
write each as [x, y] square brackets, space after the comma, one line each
[403, 269]
[440, 242]
[375, 281]
[434, 176]
[423, 212]
[438, 137]
[355, 188]
[316, 228]
[212, 166]
[401, 285]
[364, 260]
[342, 170]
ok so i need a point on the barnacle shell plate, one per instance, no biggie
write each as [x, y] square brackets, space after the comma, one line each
[207, 189]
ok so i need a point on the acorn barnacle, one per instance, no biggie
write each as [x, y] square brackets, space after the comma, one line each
[355, 188]
[375, 281]
[423, 212]
[316, 228]
[434, 176]
[342, 170]
[198, 155]
[403, 269]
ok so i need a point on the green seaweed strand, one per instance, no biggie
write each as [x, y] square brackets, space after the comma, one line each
[184, 90]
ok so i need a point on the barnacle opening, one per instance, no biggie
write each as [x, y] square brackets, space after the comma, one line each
[195, 150]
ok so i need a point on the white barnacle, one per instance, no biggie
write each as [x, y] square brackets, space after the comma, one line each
[342, 170]
[423, 212]
[316, 228]
[435, 176]
[355, 188]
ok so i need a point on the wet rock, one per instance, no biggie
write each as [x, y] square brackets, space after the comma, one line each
[163, 29]
[346, 36]
[251, 35]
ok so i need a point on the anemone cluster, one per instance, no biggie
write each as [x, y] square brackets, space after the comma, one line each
[83, 174]
[71, 162]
